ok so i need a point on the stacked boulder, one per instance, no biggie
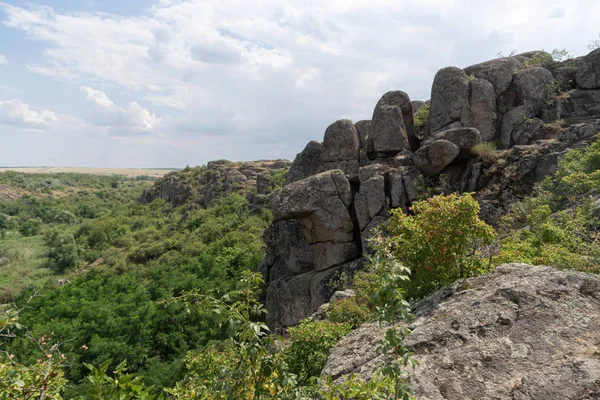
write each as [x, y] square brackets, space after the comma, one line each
[339, 190]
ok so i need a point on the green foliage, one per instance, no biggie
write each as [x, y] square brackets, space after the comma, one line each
[310, 346]
[439, 243]
[119, 385]
[484, 149]
[277, 180]
[247, 367]
[391, 311]
[558, 226]
[43, 379]
[348, 311]
[31, 227]
[420, 118]
[62, 250]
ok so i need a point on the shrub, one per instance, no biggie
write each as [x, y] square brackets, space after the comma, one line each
[439, 242]
[62, 251]
[31, 227]
[309, 348]
[348, 311]
[484, 149]
[540, 59]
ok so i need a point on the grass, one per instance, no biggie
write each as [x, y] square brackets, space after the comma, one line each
[21, 264]
[484, 149]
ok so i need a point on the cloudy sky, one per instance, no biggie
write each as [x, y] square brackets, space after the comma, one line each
[166, 83]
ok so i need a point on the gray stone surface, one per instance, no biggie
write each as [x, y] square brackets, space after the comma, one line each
[481, 111]
[449, 95]
[387, 135]
[520, 332]
[464, 138]
[498, 72]
[434, 156]
[341, 142]
[320, 205]
[307, 163]
[588, 71]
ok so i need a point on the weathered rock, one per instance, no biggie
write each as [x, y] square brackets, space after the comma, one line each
[565, 78]
[330, 254]
[547, 166]
[464, 138]
[588, 71]
[398, 195]
[400, 99]
[363, 127]
[370, 201]
[169, 190]
[263, 182]
[498, 72]
[293, 298]
[520, 332]
[481, 110]
[434, 156]
[341, 142]
[511, 120]
[368, 171]
[288, 252]
[523, 133]
[449, 95]
[392, 125]
[307, 163]
[580, 105]
[529, 88]
[320, 205]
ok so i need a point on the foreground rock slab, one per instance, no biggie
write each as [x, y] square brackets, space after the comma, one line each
[520, 332]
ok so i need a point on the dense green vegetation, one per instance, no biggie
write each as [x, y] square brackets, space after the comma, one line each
[119, 260]
[559, 224]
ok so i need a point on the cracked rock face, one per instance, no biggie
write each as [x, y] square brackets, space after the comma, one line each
[520, 332]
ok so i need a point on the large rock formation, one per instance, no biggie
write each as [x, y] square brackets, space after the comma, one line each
[203, 185]
[520, 332]
[341, 189]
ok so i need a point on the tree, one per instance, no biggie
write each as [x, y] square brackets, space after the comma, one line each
[439, 242]
[62, 252]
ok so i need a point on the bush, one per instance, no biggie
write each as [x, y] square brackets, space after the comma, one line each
[310, 346]
[558, 226]
[439, 242]
[62, 251]
[348, 311]
[31, 227]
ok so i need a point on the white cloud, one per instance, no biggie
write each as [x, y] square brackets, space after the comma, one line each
[271, 77]
[3, 60]
[103, 112]
[16, 112]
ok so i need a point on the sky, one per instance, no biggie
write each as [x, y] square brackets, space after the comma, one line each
[170, 83]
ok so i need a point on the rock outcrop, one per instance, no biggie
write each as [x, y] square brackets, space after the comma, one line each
[203, 185]
[520, 332]
[338, 191]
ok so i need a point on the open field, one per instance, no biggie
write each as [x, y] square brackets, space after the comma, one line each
[130, 172]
